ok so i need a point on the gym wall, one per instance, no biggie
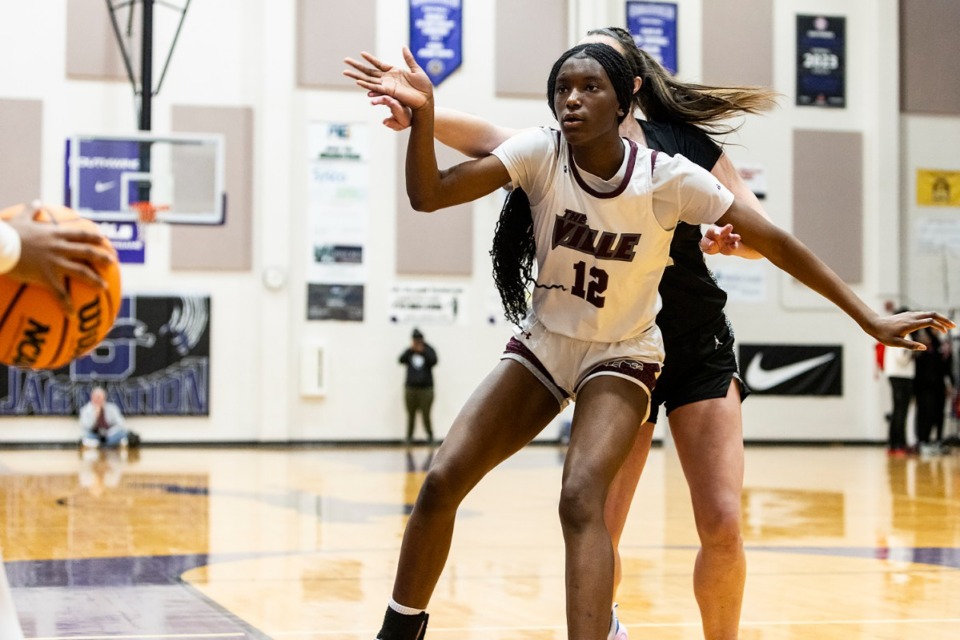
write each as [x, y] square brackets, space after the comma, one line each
[266, 70]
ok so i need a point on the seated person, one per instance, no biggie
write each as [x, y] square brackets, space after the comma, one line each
[102, 422]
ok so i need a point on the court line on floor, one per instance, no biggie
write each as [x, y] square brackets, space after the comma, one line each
[141, 636]
[629, 625]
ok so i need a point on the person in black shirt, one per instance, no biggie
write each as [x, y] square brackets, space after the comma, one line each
[932, 382]
[419, 358]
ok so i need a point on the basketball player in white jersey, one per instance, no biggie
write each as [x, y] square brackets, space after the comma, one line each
[602, 212]
[42, 253]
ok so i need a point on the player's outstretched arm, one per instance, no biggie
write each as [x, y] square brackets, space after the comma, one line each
[49, 254]
[470, 135]
[429, 188]
[789, 254]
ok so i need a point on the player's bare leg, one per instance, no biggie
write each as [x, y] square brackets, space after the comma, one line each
[609, 412]
[709, 440]
[621, 493]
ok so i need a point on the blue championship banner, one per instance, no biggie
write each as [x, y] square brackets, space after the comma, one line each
[821, 61]
[154, 362]
[436, 28]
[653, 26]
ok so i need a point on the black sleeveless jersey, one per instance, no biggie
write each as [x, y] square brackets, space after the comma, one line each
[692, 299]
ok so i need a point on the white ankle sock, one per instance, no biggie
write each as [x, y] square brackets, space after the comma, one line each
[399, 608]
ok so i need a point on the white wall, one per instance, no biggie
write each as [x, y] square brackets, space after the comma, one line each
[933, 277]
[242, 53]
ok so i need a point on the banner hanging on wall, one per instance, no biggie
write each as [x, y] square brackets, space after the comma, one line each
[337, 219]
[821, 61]
[653, 26]
[436, 28]
[154, 362]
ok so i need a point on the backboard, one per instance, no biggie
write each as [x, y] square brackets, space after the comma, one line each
[180, 175]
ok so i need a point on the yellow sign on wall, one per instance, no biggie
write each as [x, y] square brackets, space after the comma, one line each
[938, 188]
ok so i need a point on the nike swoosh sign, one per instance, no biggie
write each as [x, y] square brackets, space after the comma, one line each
[100, 187]
[762, 379]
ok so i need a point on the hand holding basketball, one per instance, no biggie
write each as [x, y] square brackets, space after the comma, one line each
[63, 295]
[51, 253]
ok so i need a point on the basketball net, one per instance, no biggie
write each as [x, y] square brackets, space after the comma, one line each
[147, 211]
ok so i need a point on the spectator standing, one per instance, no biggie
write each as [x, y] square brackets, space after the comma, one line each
[932, 383]
[900, 367]
[419, 358]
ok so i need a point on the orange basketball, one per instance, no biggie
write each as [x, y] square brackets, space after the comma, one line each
[35, 332]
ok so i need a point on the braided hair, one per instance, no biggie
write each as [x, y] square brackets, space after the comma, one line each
[513, 254]
[663, 98]
[514, 250]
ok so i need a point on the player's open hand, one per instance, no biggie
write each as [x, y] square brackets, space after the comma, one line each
[720, 240]
[49, 254]
[411, 87]
[893, 330]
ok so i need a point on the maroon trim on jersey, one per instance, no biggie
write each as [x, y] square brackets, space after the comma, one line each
[631, 162]
[517, 348]
[643, 372]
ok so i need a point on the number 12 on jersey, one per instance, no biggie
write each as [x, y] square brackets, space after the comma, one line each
[590, 291]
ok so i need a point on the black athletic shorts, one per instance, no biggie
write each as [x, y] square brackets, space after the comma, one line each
[699, 368]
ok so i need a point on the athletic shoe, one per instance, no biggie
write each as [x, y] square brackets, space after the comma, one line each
[397, 626]
[617, 630]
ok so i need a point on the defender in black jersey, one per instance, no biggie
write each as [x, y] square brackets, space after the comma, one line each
[698, 340]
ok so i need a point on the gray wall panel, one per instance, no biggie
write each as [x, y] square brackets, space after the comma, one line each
[21, 130]
[92, 49]
[737, 42]
[227, 247]
[326, 32]
[530, 36]
[828, 198]
[439, 243]
[929, 51]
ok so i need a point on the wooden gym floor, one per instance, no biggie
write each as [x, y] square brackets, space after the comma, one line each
[288, 544]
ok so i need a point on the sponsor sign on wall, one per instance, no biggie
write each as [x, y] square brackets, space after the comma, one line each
[102, 164]
[938, 188]
[337, 218]
[792, 370]
[155, 361]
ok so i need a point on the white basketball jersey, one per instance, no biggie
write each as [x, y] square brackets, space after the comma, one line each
[602, 245]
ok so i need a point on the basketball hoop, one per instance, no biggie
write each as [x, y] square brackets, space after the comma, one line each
[147, 211]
